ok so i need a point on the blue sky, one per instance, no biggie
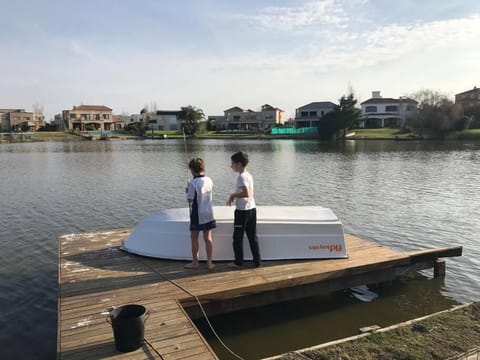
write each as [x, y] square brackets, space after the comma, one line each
[215, 54]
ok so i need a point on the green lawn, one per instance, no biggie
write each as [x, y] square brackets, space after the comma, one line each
[470, 134]
[383, 133]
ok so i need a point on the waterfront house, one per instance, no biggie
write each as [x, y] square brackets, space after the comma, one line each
[133, 119]
[468, 98]
[119, 121]
[87, 117]
[218, 122]
[240, 119]
[156, 120]
[379, 112]
[164, 120]
[309, 115]
[19, 119]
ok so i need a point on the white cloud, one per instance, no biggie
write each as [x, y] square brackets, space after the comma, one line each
[313, 13]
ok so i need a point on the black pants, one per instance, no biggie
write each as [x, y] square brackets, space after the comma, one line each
[245, 221]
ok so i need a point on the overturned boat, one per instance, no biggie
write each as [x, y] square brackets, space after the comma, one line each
[284, 232]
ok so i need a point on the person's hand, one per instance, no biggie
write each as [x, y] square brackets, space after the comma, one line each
[231, 199]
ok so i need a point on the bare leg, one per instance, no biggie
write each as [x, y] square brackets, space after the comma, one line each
[207, 236]
[195, 248]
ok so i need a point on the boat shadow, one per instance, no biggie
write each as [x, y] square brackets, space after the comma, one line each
[112, 268]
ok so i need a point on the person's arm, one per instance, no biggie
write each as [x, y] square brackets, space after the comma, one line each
[190, 192]
[241, 193]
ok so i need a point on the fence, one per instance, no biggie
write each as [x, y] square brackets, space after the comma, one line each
[293, 131]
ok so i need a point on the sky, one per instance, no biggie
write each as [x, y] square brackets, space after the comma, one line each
[216, 54]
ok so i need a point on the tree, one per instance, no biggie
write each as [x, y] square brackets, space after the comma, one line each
[344, 116]
[473, 112]
[190, 116]
[437, 113]
[37, 108]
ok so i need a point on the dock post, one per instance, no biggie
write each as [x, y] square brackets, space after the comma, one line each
[439, 268]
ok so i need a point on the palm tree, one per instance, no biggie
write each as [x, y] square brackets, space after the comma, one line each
[190, 116]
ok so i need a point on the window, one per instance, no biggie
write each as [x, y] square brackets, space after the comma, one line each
[313, 114]
[391, 108]
[236, 118]
[371, 109]
[106, 116]
[97, 117]
[304, 114]
[73, 116]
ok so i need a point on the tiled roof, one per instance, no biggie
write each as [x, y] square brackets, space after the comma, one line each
[92, 108]
[387, 100]
[235, 108]
[167, 112]
[473, 91]
[11, 110]
[317, 105]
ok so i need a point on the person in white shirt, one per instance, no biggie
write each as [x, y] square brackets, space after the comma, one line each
[245, 218]
[199, 196]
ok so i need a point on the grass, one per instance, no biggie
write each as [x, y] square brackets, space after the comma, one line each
[55, 136]
[380, 134]
[441, 336]
[470, 134]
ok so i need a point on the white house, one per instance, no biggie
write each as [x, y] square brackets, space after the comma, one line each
[309, 115]
[387, 112]
[133, 119]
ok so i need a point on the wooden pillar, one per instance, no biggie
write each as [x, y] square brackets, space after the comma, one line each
[439, 268]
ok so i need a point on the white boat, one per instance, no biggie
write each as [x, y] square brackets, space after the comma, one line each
[284, 232]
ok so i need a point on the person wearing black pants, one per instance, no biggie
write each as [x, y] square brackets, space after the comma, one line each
[245, 219]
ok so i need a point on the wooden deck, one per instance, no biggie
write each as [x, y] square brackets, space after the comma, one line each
[94, 274]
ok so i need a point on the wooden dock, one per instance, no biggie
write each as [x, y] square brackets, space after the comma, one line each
[94, 275]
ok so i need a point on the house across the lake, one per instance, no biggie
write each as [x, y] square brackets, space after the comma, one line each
[240, 119]
[309, 115]
[379, 112]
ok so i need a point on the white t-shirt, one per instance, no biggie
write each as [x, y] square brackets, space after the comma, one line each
[245, 180]
[203, 187]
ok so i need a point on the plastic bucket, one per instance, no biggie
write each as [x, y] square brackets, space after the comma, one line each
[128, 324]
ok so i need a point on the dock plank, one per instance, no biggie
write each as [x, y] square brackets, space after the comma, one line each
[94, 275]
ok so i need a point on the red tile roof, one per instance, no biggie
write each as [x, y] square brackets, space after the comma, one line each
[92, 108]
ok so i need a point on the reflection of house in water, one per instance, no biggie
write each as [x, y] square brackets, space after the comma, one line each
[237, 118]
[387, 112]
[309, 115]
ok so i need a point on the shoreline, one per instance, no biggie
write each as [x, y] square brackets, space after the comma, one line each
[357, 135]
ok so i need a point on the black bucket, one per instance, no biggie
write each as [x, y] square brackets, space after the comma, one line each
[128, 324]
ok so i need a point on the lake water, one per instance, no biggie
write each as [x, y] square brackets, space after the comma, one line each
[404, 195]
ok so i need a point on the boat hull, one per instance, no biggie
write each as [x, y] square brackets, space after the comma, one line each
[284, 232]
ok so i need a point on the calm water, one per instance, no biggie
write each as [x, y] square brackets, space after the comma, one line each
[405, 195]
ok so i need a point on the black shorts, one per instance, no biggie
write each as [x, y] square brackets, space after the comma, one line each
[201, 227]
